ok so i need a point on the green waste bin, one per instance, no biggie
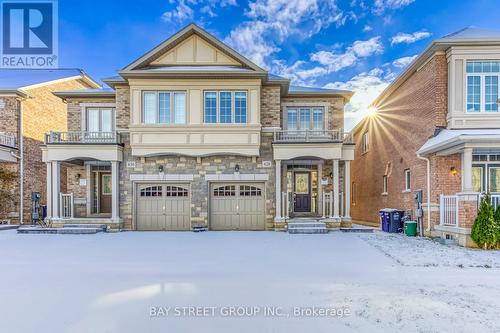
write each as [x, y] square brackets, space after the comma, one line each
[411, 228]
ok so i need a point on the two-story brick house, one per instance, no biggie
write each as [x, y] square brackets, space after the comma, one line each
[436, 129]
[27, 110]
[193, 134]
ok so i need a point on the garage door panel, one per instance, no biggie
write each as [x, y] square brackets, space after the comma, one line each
[163, 207]
[237, 207]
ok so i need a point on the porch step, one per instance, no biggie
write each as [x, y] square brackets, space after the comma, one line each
[8, 226]
[103, 227]
[307, 228]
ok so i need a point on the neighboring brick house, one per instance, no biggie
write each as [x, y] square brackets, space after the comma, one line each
[192, 134]
[27, 110]
[436, 129]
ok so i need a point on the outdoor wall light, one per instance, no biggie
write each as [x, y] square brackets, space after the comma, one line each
[160, 168]
[453, 171]
[237, 168]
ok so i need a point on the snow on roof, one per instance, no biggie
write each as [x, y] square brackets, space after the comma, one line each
[447, 138]
[471, 33]
[19, 78]
[274, 77]
[300, 89]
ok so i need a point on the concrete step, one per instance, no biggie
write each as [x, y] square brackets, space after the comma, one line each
[86, 225]
[292, 225]
[308, 230]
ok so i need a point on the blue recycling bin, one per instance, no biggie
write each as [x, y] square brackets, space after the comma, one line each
[384, 220]
[391, 220]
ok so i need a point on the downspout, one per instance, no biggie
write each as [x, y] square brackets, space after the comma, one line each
[428, 191]
[21, 160]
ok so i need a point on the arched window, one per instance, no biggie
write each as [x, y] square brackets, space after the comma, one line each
[151, 191]
[250, 191]
[175, 191]
[225, 191]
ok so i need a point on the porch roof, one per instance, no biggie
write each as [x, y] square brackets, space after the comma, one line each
[449, 141]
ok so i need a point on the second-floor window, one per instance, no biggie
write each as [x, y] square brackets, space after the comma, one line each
[365, 144]
[100, 119]
[163, 107]
[482, 86]
[225, 107]
[306, 119]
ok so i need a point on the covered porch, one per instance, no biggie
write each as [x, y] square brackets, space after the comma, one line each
[469, 164]
[312, 177]
[83, 179]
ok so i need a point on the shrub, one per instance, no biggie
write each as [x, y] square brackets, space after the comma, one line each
[485, 229]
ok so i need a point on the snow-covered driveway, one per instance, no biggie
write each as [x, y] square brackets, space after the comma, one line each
[114, 282]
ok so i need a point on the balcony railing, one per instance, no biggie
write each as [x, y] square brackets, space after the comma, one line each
[287, 136]
[82, 137]
[8, 140]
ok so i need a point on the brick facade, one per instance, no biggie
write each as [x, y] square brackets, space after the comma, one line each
[42, 112]
[403, 123]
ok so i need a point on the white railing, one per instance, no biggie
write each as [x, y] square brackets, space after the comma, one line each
[495, 200]
[448, 210]
[8, 140]
[312, 136]
[327, 204]
[285, 205]
[66, 205]
[82, 137]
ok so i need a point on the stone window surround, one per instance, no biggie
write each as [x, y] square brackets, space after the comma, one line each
[83, 108]
[285, 106]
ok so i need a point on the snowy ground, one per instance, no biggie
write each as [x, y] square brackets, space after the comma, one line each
[109, 282]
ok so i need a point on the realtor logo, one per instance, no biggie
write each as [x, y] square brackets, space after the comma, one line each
[29, 33]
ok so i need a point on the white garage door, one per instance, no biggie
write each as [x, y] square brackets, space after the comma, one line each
[163, 207]
[237, 207]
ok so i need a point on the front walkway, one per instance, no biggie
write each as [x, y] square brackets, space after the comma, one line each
[109, 282]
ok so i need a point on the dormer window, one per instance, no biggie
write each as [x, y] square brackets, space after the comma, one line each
[482, 86]
[225, 107]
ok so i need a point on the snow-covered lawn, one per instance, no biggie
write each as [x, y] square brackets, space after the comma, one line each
[110, 282]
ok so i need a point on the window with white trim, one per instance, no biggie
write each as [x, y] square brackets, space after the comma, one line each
[306, 118]
[482, 86]
[225, 107]
[365, 143]
[407, 180]
[100, 119]
[384, 185]
[163, 107]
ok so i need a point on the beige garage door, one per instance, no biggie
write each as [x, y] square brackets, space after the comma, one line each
[163, 207]
[237, 207]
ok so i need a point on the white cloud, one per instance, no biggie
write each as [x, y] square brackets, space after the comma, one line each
[367, 28]
[273, 21]
[380, 6]
[359, 49]
[404, 61]
[185, 9]
[402, 37]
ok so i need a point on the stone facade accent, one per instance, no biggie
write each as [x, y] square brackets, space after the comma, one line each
[403, 123]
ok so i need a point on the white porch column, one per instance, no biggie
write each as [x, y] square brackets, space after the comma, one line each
[115, 192]
[320, 189]
[278, 191]
[347, 191]
[467, 167]
[56, 188]
[89, 189]
[336, 206]
[49, 189]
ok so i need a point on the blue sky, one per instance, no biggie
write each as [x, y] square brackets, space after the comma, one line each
[355, 44]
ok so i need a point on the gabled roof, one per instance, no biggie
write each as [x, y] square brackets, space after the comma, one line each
[469, 36]
[101, 93]
[180, 36]
[13, 79]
